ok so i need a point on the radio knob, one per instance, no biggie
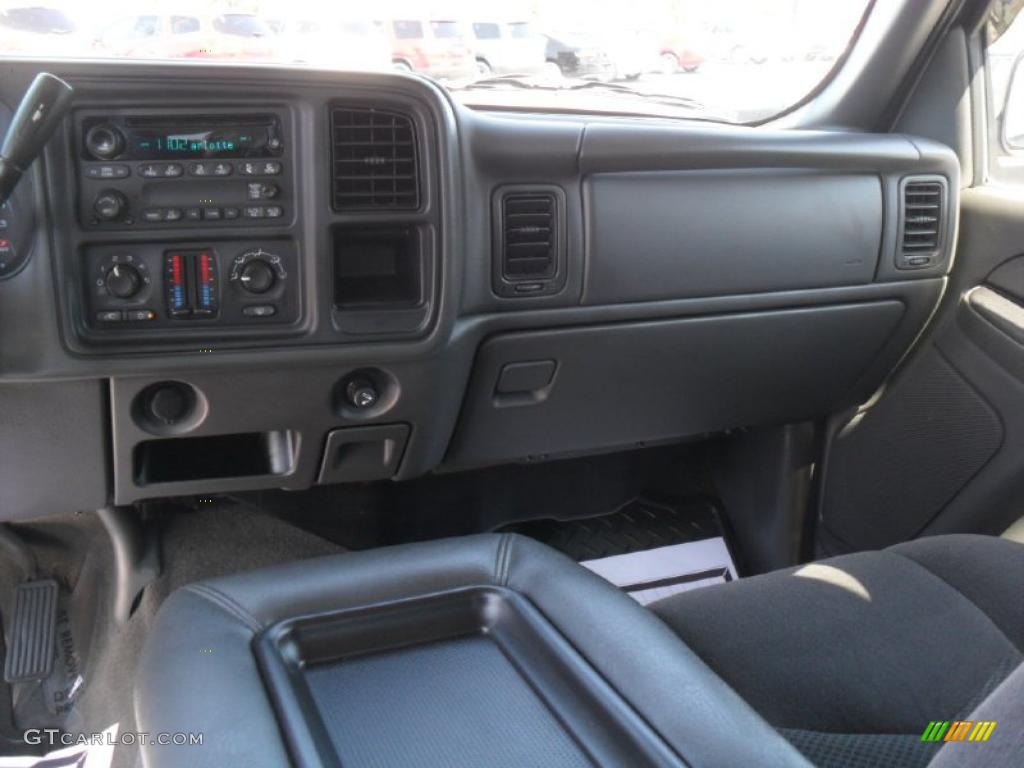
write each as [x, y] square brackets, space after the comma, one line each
[110, 205]
[123, 281]
[104, 141]
[257, 276]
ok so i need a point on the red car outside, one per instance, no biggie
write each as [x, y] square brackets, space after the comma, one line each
[435, 47]
[677, 54]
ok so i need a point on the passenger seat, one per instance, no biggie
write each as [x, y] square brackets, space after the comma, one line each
[851, 658]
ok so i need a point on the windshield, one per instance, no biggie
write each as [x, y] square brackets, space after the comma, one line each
[736, 61]
[241, 24]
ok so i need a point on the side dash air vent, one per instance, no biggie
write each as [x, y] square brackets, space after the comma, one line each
[921, 227]
[374, 160]
[529, 241]
[528, 236]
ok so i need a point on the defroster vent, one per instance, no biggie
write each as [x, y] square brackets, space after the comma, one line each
[374, 157]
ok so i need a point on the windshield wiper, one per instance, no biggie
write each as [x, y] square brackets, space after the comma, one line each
[497, 82]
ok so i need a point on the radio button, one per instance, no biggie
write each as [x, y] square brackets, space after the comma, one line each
[259, 310]
[212, 214]
[173, 170]
[260, 168]
[173, 214]
[199, 169]
[254, 212]
[139, 315]
[193, 214]
[150, 171]
[222, 169]
[110, 316]
[262, 190]
[273, 212]
[107, 171]
[152, 215]
[231, 213]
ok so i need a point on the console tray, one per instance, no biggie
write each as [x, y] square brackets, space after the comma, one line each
[468, 678]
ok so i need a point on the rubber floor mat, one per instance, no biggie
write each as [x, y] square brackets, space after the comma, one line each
[641, 524]
[650, 549]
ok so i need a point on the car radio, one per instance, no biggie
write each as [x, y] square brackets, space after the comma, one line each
[160, 170]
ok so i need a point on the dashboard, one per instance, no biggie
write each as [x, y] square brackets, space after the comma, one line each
[233, 278]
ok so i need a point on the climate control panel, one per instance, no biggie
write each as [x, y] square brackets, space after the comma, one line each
[134, 287]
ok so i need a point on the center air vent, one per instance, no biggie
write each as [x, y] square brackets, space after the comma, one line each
[923, 205]
[374, 156]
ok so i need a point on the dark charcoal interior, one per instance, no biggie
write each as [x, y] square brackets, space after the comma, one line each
[332, 482]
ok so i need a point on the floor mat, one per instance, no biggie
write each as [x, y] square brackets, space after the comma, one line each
[650, 548]
[217, 539]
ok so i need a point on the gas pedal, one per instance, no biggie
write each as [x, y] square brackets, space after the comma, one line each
[30, 646]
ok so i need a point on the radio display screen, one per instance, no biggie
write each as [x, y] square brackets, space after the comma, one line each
[191, 137]
[197, 142]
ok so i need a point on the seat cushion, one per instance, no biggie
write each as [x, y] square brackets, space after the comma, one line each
[198, 672]
[852, 657]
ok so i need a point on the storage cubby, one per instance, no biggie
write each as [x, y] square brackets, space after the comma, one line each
[377, 266]
[187, 459]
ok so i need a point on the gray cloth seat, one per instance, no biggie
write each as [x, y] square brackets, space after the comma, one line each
[851, 658]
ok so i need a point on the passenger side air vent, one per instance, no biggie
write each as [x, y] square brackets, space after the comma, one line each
[374, 157]
[922, 223]
[528, 236]
[528, 240]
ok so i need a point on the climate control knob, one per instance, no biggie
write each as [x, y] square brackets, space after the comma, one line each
[110, 205]
[123, 281]
[257, 276]
[257, 272]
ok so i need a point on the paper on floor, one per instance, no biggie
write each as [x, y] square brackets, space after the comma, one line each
[654, 574]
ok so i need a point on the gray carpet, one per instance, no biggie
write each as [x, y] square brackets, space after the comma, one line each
[223, 537]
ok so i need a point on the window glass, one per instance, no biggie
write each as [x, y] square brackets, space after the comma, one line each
[241, 25]
[486, 31]
[520, 30]
[42, 21]
[1004, 31]
[723, 60]
[408, 30]
[184, 25]
[445, 29]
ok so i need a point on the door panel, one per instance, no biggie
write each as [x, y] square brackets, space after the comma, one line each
[942, 449]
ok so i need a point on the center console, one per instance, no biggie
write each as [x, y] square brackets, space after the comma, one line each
[159, 178]
[211, 225]
[478, 650]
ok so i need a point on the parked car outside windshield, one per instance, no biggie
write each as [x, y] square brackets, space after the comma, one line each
[740, 61]
[507, 47]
